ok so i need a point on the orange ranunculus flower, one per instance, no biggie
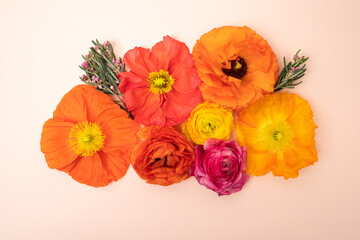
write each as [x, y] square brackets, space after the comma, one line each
[237, 66]
[162, 87]
[89, 137]
[278, 132]
[164, 157]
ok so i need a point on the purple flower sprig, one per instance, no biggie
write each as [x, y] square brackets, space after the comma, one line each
[101, 68]
[291, 72]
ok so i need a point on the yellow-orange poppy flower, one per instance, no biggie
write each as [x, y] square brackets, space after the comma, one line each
[278, 132]
[89, 137]
[236, 66]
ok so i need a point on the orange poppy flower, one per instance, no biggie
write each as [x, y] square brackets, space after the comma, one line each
[278, 132]
[237, 66]
[164, 157]
[89, 137]
[162, 87]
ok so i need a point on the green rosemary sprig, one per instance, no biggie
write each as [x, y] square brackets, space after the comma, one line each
[101, 68]
[291, 72]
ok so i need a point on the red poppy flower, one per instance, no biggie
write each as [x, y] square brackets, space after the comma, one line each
[162, 86]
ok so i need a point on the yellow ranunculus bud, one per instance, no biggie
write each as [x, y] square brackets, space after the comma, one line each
[208, 120]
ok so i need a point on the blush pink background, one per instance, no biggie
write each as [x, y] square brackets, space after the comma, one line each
[41, 45]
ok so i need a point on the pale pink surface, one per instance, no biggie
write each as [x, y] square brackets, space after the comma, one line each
[40, 49]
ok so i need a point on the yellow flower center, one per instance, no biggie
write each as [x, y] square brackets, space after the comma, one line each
[278, 136]
[209, 120]
[160, 82]
[209, 127]
[86, 138]
[237, 65]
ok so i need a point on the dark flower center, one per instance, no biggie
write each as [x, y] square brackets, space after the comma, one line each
[226, 165]
[165, 161]
[238, 68]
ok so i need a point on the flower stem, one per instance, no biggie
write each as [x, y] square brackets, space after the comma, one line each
[291, 73]
[101, 68]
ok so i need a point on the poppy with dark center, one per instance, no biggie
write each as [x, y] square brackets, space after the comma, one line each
[236, 65]
[237, 69]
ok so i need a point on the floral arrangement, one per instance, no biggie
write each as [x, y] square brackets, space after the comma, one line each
[213, 114]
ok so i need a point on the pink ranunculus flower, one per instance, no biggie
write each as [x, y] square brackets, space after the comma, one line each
[220, 166]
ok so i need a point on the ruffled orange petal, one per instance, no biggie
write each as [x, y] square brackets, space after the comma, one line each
[259, 163]
[306, 155]
[211, 94]
[72, 107]
[263, 82]
[286, 165]
[119, 129]
[54, 143]
[116, 162]
[91, 171]
[247, 93]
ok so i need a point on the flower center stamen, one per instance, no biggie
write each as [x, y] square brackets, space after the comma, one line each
[160, 82]
[86, 138]
[238, 68]
[278, 135]
[209, 128]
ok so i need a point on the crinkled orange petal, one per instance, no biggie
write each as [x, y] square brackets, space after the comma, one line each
[54, 143]
[119, 130]
[91, 171]
[259, 163]
[115, 162]
[285, 165]
[72, 107]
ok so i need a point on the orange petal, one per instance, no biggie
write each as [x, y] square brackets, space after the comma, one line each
[281, 167]
[91, 171]
[76, 99]
[119, 129]
[54, 143]
[259, 163]
[116, 162]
